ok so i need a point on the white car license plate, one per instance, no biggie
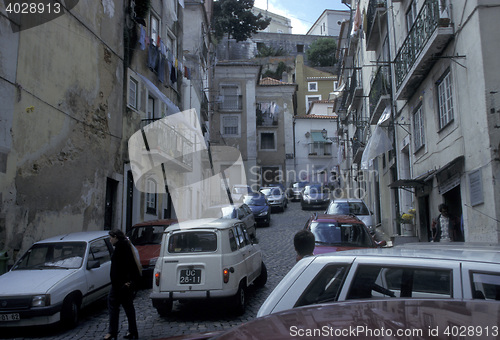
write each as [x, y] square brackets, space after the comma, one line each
[190, 276]
[10, 317]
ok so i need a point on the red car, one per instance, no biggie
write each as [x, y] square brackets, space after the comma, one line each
[340, 232]
[146, 237]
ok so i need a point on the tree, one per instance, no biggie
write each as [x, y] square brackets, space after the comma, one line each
[235, 18]
[322, 52]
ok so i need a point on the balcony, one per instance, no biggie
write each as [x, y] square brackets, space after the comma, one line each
[231, 103]
[168, 146]
[427, 38]
[376, 19]
[379, 94]
[355, 89]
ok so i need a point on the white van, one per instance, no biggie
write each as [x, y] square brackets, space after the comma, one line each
[205, 259]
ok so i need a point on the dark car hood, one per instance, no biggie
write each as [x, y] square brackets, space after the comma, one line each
[257, 209]
[316, 196]
[147, 252]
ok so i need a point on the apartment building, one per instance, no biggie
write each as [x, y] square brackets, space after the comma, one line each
[427, 73]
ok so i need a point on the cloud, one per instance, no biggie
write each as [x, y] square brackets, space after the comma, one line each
[276, 7]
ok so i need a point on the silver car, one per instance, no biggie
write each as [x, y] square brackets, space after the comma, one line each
[276, 197]
[240, 211]
[55, 278]
[352, 206]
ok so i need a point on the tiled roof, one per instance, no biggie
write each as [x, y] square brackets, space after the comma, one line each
[272, 81]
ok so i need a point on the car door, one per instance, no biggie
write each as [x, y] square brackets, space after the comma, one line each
[481, 280]
[248, 252]
[98, 280]
[246, 216]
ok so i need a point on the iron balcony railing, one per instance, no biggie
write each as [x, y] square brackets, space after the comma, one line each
[372, 12]
[380, 86]
[424, 26]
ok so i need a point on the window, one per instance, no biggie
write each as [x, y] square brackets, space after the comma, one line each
[310, 99]
[312, 86]
[154, 29]
[267, 141]
[151, 108]
[132, 92]
[485, 286]
[445, 100]
[411, 15]
[192, 242]
[151, 196]
[320, 149]
[406, 282]
[325, 287]
[231, 100]
[300, 48]
[99, 251]
[418, 129]
[230, 125]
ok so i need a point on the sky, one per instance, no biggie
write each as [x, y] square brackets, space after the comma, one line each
[303, 13]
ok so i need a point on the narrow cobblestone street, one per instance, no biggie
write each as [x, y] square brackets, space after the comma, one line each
[276, 242]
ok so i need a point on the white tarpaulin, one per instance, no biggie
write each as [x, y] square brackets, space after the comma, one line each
[378, 143]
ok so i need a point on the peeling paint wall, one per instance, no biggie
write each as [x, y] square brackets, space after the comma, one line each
[66, 126]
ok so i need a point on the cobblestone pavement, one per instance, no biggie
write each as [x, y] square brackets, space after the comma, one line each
[276, 242]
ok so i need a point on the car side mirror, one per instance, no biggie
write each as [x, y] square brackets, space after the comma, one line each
[93, 264]
[382, 243]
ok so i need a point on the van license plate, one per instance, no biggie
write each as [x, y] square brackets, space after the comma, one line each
[10, 317]
[190, 276]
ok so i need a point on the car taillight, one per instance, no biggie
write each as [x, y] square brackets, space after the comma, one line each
[225, 275]
[157, 279]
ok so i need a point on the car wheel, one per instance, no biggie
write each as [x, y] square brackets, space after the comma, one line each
[262, 279]
[239, 300]
[165, 308]
[70, 312]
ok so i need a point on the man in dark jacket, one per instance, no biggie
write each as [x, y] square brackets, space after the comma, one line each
[124, 275]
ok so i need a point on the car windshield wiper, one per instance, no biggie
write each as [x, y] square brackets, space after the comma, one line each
[44, 266]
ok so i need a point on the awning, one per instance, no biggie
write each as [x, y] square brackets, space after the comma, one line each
[449, 176]
[406, 183]
[317, 137]
[171, 107]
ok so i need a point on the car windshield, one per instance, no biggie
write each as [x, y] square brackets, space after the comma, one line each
[271, 191]
[61, 255]
[345, 208]
[140, 236]
[299, 185]
[314, 189]
[192, 242]
[345, 234]
[255, 200]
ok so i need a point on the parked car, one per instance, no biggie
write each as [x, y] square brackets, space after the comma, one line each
[55, 278]
[239, 191]
[240, 211]
[296, 192]
[207, 259]
[464, 273]
[315, 196]
[276, 197]
[146, 237]
[346, 206]
[340, 232]
[260, 207]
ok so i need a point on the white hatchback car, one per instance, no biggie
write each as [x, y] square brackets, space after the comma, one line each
[55, 278]
[204, 259]
[439, 271]
[348, 206]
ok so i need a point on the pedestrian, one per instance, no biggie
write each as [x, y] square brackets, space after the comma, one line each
[124, 276]
[445, 228]
[304, 243]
